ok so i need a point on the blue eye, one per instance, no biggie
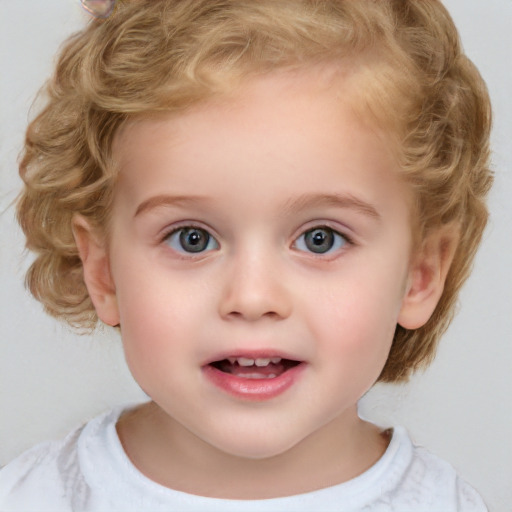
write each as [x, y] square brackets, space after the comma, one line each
[320, 240]
[191, 240]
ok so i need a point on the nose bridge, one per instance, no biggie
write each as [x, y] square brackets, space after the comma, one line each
[254, 285]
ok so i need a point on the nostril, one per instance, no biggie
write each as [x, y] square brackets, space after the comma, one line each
[254, 315]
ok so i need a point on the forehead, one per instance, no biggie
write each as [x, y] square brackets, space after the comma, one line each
[321, 94]
[293, 129]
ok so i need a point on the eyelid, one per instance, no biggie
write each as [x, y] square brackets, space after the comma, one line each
[175, 226]
[342, 229]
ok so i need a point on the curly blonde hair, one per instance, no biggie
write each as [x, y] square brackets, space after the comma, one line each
[153, 56]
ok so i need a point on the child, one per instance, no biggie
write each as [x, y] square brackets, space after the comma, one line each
[276, 203]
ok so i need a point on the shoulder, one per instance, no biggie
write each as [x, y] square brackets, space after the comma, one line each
[441, 479]
[39, 478]
[50, 476]
[428, 480]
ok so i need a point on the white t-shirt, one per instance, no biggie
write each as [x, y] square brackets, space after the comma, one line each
[89, 471]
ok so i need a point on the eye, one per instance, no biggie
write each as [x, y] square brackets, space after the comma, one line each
[191, 240]
[320, 240]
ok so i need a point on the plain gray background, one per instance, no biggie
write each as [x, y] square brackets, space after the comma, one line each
[51, 380]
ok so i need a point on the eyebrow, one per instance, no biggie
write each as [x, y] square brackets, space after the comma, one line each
[167, 200]
[337, 200]
[290, 207]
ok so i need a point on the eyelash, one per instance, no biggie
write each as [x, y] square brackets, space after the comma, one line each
[175, 237]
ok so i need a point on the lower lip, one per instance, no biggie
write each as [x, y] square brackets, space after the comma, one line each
[256, 390]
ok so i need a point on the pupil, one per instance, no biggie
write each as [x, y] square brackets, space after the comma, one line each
[194, 240]
[319, 240]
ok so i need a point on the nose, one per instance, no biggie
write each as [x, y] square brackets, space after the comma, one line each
[253, 289]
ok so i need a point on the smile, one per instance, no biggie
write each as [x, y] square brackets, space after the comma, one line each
[253, 378]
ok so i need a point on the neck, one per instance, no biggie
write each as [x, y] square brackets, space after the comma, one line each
[172, 456]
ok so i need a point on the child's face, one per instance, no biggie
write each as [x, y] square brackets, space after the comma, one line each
[271, 225]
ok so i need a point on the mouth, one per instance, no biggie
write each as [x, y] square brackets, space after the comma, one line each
[254, 377]
[257, 368]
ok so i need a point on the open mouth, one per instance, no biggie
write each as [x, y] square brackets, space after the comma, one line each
[259, 368]
[255, 378]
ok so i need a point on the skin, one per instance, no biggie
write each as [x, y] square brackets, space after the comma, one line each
[254, 170]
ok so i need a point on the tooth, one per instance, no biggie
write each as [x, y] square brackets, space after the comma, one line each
[262, 361]
[232, 360]
[275, 360]
[243, 361]
[257, 375]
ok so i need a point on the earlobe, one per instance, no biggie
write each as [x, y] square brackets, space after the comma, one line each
[427, 277]
[96, 270]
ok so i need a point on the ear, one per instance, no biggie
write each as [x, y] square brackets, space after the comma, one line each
[97, 276]
[427, 276]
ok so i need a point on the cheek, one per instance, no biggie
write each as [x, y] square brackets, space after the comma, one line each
[154, 343]
[160, 314]
[148, 316]
[355, 345]
[357, 319]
